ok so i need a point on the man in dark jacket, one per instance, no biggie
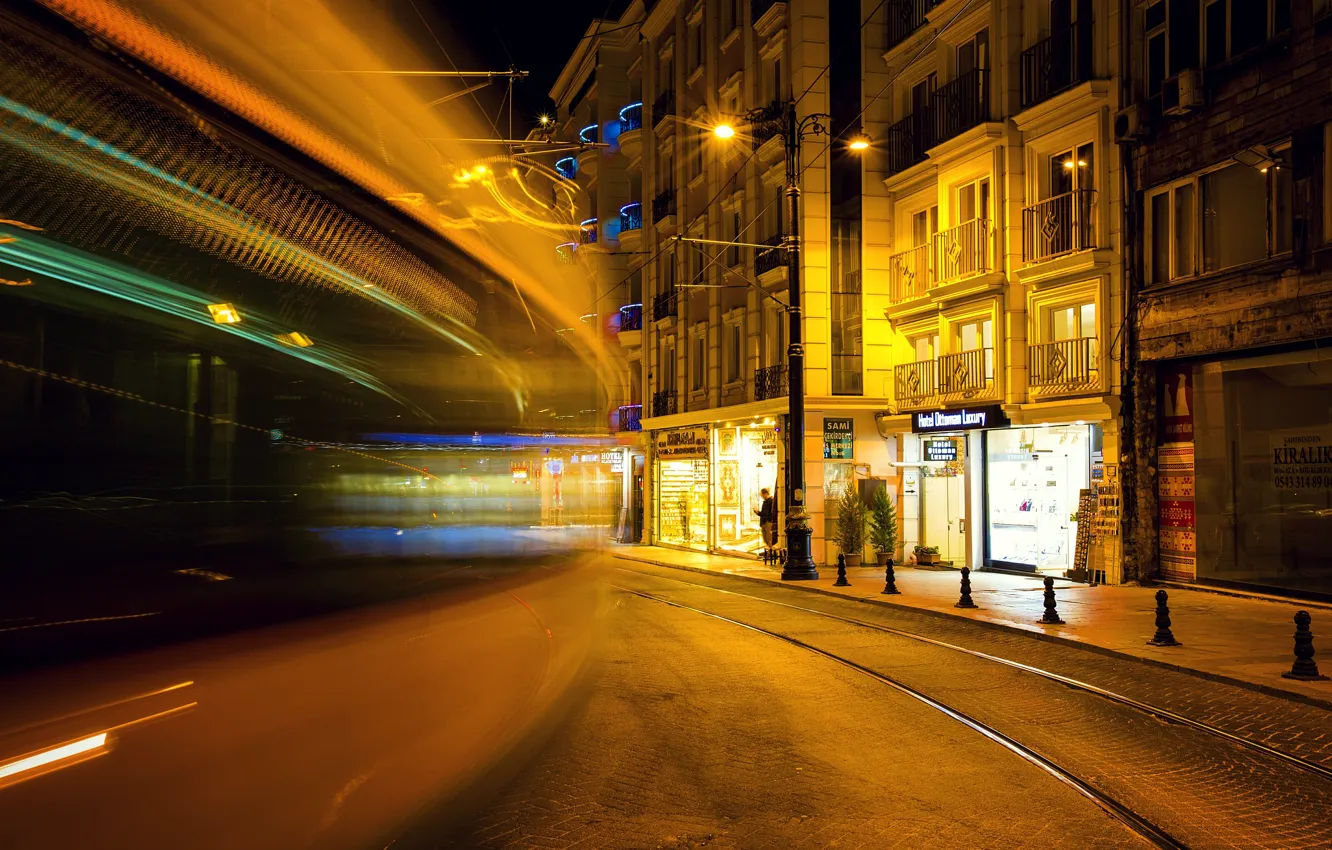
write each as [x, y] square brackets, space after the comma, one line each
[767, 515]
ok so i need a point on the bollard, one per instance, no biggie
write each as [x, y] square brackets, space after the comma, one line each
[889, 581]
[965, 600]
[1051, 615]
[1305, 668]
[1163, 636]
[841, 573]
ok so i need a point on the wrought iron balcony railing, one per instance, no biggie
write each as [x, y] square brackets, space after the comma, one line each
[567, 167]
[566, 252]
[961, 104]
[591, 134]
[962, 251]
[631, 117]
[771, 258]
[665, 403]
[631, 317]
[766, 123]
[905, 17]
[665, 305]
[663, 206]
[1057, 63]
[587, 232]
[910, 275]
[631, 217]
[771, 382]
[915, 382]
[909, 139]
[629, 417]
[967, 373]
[663, 107]
[1059, 225]
[1069, 364]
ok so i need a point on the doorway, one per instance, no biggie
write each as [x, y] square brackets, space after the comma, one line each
[944, 502]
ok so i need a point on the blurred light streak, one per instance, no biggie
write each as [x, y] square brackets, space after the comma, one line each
[82, 747]
[78, 622]
[492, 440]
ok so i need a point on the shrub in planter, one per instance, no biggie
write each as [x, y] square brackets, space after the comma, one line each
[927, 554]
[851, 517]
[883, 527]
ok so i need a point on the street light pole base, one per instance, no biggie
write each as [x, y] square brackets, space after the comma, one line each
[799, 563]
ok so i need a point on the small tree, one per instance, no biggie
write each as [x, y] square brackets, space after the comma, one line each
[850, 521]
[883, 523]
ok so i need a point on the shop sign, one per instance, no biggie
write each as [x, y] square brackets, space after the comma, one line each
[1176, 384]
[941, 450]
[966, 419]
[683, 443]
[1302, 459]
[839, 439]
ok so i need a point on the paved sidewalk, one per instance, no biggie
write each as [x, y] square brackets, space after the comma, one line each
[1246, 641]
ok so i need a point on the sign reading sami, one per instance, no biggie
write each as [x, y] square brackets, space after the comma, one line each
[839, 439]
[966, 419]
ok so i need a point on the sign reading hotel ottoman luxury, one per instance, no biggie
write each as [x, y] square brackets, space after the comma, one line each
[1302, 460]
[966, 419]
[839, 439]
[944, 450]
[683, 443]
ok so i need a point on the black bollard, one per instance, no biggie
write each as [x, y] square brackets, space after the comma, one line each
[1163, 636]
[965, 600]
[889, 581]
[1305, 668]
[841, 573]
[1051, 615]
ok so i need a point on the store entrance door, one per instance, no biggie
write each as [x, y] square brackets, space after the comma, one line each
[944, 506]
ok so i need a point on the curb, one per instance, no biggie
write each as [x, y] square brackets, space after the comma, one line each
[1268, 690]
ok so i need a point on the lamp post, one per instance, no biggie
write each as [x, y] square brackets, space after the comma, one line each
[799, 557]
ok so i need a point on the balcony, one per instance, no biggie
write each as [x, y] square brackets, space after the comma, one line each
[909, 275]
[665, 403]
[587, 232]
[766, 126]
[914, 383]
[631, 131]
[590, 134]
[663, 208]
[772, 258]
[628, 417]
[567, 168]
[631, 225]
[909, 139]
[771, 382]
[587, 159]
[759, 8]
[961, 104]
[663, 108]
[1057, 63]
[1066, 366]
[631, 317]
[1060, 225]
[962, 251]
[665, 305]
[966, 374]
[567, 252]
[905, 17]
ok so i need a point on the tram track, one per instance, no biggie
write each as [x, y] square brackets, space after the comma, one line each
[1155, 711]
[1136, 823]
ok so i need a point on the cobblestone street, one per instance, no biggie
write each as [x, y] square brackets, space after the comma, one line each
[700, 732]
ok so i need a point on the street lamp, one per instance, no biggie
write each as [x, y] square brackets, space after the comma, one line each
[782, 118]
[859, 143]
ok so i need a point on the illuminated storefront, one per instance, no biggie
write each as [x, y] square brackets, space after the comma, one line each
[746, 461]
[681, 486]
[1033, 478]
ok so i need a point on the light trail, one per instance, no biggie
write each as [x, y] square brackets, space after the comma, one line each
[11, 772]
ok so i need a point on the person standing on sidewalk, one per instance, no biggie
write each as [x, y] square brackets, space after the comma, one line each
[767, 514]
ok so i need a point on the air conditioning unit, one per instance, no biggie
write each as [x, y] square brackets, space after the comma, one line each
[1182, 93]
[1131, 123]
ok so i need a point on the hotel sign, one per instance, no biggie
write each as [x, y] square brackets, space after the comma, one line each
[683, 443]
[964, 419]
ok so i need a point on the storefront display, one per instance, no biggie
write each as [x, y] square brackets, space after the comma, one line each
[944, 496]
[746, 462]
[1034, 477]
[682, 485]
[1261, 434]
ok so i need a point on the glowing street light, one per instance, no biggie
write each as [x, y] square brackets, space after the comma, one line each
[859, 143]
[224, 314]
[723, 131]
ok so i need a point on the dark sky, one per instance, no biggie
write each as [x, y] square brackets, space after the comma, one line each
[534, 36]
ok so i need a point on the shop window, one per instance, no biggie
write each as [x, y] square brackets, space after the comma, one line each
[682, 502]
[746, 463]
[1033, 478]
[1243, 216]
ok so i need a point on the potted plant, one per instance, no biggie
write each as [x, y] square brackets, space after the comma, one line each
[927, 554]
[883, 527]
[851, 525]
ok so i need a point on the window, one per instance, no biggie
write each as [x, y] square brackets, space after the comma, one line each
[921, 94]
[1074, 322]
[734, 351]
[772, 79]
[973, 201]
[926, 347]
[699, 360]
[730, 16]
[845, 310]
[1071, 171]
[667, 73]
[734, 253]
[1243, 216]
[1171, 30]
[974, 53]
[924, 225]
[978, 336]
[695, 156]
[667, 378]
[1233, 27]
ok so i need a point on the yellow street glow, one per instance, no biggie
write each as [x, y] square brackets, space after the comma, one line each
[859, 143]
[224, 314]
[724, 131]
[297, 339]
[55, 754]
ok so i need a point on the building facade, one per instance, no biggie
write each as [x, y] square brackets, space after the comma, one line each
[993, 208]
[1227, 125]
